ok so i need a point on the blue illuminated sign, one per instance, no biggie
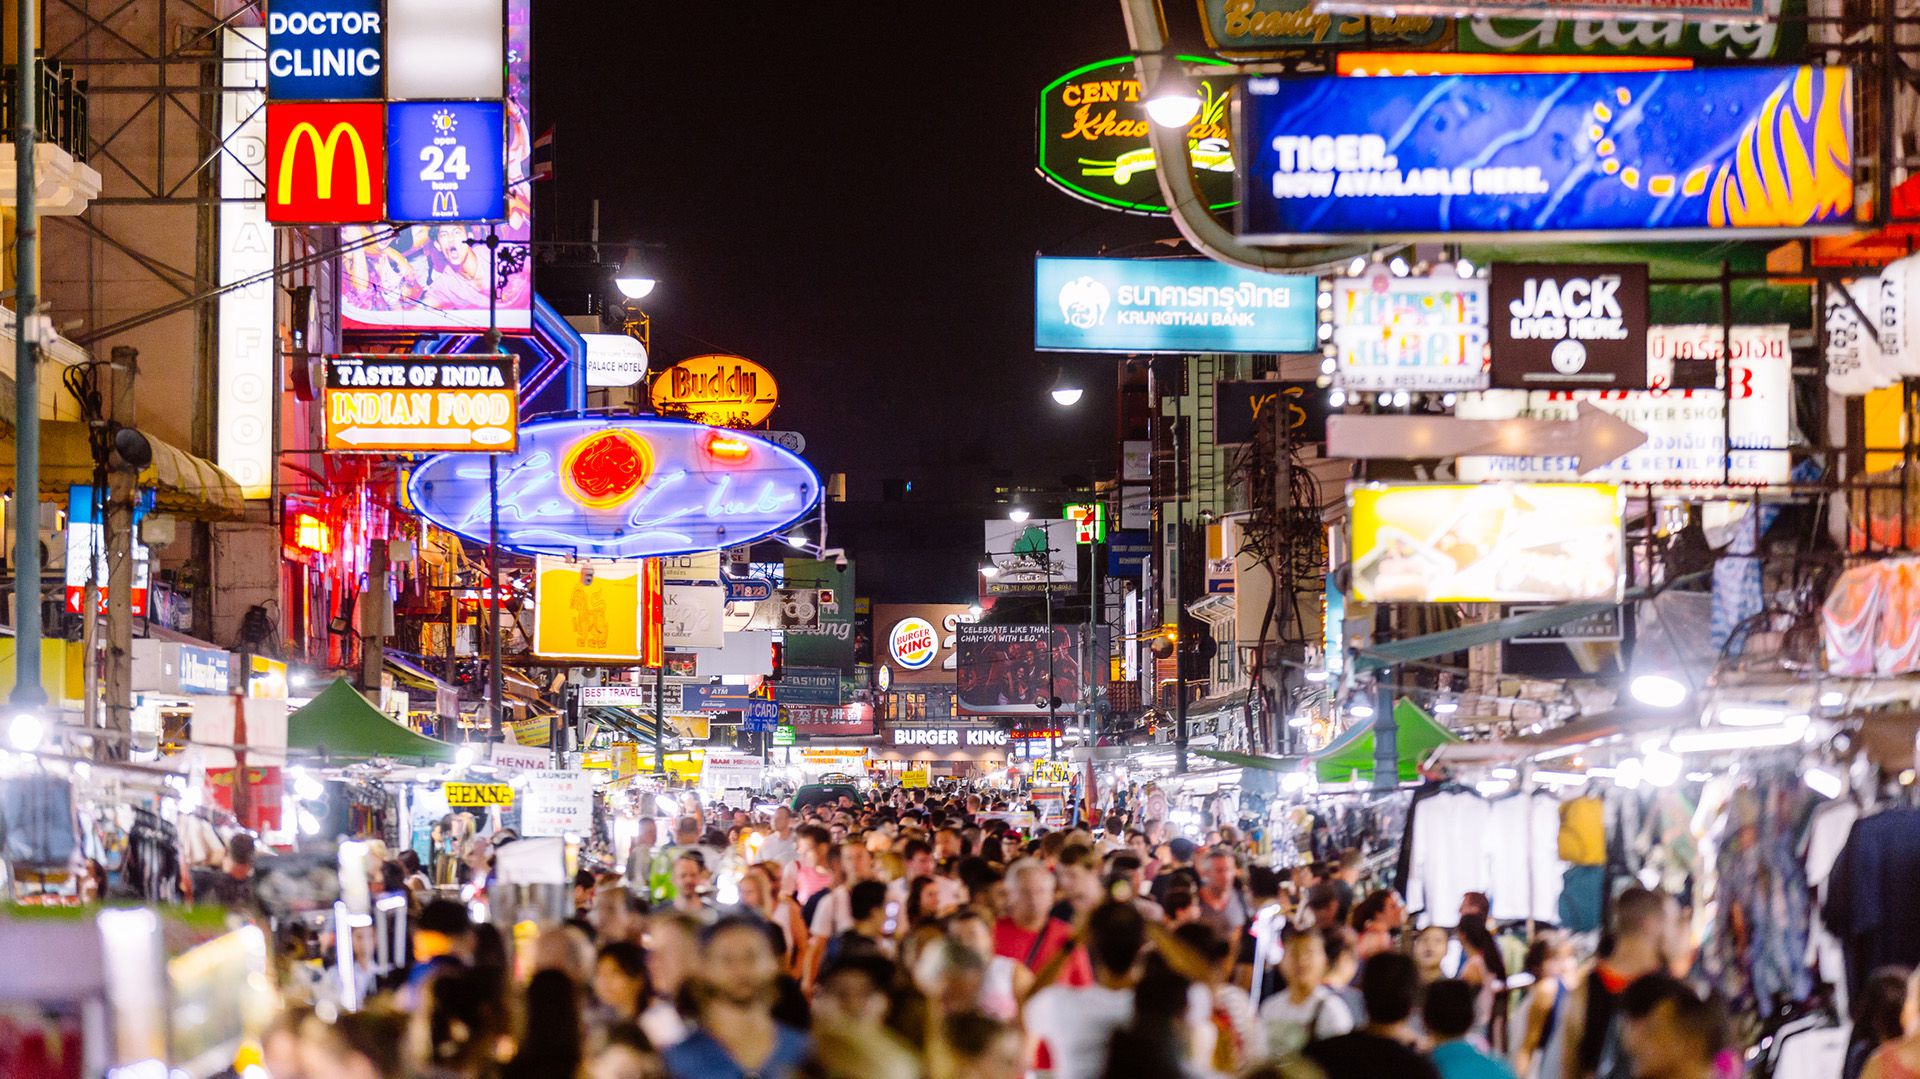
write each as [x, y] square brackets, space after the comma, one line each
[1766, 150]
[1169, 305]
[446, 161]
[747, 589]
[714, 698]
[761, 716]
[325, 50]
[611, 487]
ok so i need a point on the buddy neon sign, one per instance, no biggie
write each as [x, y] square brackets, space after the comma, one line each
[621, 488]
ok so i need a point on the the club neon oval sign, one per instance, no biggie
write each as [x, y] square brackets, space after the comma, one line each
[620, 488]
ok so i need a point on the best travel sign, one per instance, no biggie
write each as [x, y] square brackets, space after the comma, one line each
[1169, 305]
[1763, 150]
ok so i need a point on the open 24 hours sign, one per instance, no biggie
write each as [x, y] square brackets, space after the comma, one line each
[422, 404]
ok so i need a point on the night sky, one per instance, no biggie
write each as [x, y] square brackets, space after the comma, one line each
[847, 195]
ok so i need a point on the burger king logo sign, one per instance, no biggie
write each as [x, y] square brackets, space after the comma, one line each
[914, 643]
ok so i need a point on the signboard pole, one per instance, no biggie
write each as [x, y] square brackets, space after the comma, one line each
[660, 717]
[495, 677]
[27, 691]
[1179, 598]
[1386, 734]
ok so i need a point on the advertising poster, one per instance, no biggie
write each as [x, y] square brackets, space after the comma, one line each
[591, 610]
[1256, 27]
[829, 642]
[1682, 154]
[1409, 333]
[1093, 137]
[1242, 408]
[1568, 327]
[1011, 670]
[1686, 433]
[1031, 557]
[919, 641]
[1488, 543]
[718, 389]
[426, 277]
[695, 614]
[730, 773]
[808, 685]
[845, 720]
[1646, 9]
[1169, 305]
[1605, 35]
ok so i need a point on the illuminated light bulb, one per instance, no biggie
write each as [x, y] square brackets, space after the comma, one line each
[1357, 267]
[1398, 266]
[1362, 710]
[1658, 690]
[1019, 514]
[26, 731]
[1337, 398]
[730, 449]
[1173, 102]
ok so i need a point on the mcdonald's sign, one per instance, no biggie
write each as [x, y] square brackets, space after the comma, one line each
[326, 163]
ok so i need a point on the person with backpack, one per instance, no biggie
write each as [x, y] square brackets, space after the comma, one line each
[1306, 1011]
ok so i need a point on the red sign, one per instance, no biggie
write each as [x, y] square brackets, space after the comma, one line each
[841, 719]
[326, 163]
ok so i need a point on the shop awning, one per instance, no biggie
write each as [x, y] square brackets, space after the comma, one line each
[1419, 734]
[182, 483]
[342, 725]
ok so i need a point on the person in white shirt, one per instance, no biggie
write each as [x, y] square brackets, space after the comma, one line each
[1306, 1010]
[1077, 1024]
[781, 845]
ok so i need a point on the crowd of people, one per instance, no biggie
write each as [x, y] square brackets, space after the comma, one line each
[929, 935]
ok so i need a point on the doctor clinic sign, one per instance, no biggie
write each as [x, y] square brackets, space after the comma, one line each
[1569, 326]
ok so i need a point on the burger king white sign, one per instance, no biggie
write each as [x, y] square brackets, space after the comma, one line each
[914, 643]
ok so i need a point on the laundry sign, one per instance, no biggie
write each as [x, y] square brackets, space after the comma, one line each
[1560, 326]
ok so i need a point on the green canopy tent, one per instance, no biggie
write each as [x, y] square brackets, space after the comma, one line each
[1351, 754]
[343, 726]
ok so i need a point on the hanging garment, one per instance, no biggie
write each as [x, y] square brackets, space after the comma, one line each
[1582, 890]
[1449, 856]
[1524, 867]
[1756, 953]
[1826, 834]
[1583, 832]
[40, 830]
[1870, 894]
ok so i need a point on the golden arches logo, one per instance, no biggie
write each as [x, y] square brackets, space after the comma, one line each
[325, 149]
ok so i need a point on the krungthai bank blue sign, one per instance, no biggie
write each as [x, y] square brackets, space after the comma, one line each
[614, 488]
[1168, 305]
[325, 50]
[1767, 150]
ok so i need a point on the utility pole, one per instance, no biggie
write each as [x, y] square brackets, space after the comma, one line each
[1180, 642]
[376, 618]
[27, 691]
[122, 489]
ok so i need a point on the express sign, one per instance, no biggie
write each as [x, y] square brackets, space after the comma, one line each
[324, 50]
[421, 404]
[326, 163]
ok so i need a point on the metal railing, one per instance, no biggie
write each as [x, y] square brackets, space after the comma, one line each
[60, 107]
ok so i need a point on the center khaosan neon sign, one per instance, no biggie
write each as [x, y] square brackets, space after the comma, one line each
[613, 487]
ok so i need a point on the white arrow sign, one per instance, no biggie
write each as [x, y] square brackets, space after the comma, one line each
[1594, 438]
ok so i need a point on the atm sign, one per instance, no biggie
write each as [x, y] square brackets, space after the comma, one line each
[326, 163]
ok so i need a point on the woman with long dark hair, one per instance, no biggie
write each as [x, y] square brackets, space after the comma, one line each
[551, 1031]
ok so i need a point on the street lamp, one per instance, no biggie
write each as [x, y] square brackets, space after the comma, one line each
[1066, 390]
[632, 278]
[1172, 102]
[989, 570]
[1018, 514]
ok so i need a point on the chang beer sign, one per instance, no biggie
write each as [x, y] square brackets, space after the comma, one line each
[1093, 136]
[1249, 28]
[1782, 37]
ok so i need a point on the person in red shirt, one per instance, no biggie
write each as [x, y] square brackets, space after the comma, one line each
[1029, 933]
